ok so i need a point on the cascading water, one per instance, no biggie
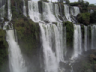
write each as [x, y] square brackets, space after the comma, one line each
[75, 11]
[85, 38]
[52, 38]
[9, 10]
[77, 41]
[53, 48]
[67, 14]
[24, 8]
[5, 25]
[34, 11]
[48, 14]
[59, 42]
[93, 37]
[2, 12]
[57, 12]
[51, 64]
[16, 61]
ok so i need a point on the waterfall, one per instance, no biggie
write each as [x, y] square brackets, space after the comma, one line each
[16, 61]
[53, 45]
[2, 12]
[93, 37]
[85, 38]
[24, 8]
[57, 12]
[51, 64]
[77, 41]
[34, 11]
[5, 25]
[48, 14]
[53, 38]
[59, 42]
[75, 11]
[9, 10]
[67, 14]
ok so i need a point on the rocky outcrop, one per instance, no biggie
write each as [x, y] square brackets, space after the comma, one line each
[84, 18]
[3, 50]
[92, 57]
[28, 35]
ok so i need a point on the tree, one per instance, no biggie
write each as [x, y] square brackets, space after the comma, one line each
[67, 1]
[60, 0]
[92, 5]
[44, 0]
[84, 18]
[80, 0]
[93, 17]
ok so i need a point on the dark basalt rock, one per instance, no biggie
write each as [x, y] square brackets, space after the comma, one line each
[40, 6]
[3, 50]
[92, 57]
[46, 21]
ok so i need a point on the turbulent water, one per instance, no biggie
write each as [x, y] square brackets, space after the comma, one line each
[34, 11]
[75, 11]
[50, 62]
[9, 10]
[67, 14]
[53, 36]
[48, 12]
[53, 48]
[5, 26]
[16, 61]
[57, 14]
[2, 12]
[77, 41]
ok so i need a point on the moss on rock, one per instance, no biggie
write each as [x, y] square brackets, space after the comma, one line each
[69, 32]
[17, 8]
[3, 48]
[84, 18]
[28, 34]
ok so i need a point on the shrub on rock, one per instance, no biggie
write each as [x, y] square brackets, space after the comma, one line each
[84, 18]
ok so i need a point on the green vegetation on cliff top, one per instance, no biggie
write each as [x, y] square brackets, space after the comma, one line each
[28, 34]
[84, 18]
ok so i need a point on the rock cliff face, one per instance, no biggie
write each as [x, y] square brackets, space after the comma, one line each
[3, 51]
[28, 34]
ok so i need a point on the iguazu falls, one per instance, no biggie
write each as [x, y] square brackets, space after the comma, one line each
[47, 36]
